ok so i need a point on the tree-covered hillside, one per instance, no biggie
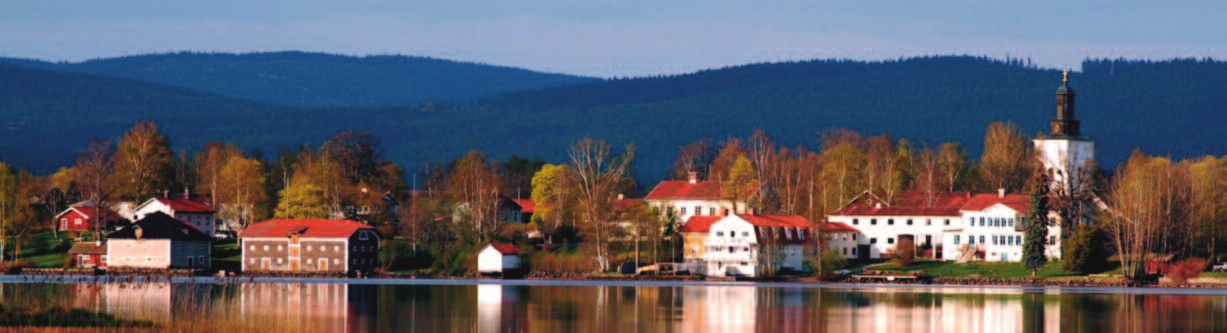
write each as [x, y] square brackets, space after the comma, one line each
[316, 79]
[1172, 107]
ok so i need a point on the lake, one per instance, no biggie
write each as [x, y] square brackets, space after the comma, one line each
[578, 306]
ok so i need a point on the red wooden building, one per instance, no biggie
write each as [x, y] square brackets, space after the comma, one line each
[83, 217]
[89, 254]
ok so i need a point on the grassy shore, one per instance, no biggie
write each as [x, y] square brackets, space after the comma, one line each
[948, 269]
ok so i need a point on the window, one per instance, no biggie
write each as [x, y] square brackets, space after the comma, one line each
[745, 234]
[336, 261]
[76, 220]
[266, 247]
[890, 221]
[873, 240]
[731, 249]
[711, 211]
[363, 236]
[873, 221]
[682, 211]
[981, 239]
[178, 245]
[971, 239]
[801, 235]
[956, 239]
[994, 238]
[928, 222]
[278, 261]
[1011, 222]
[890, 240]
[279, 248]
[845, 251]
[981, 221]
[1018, 239]
[336, 248]
[855, 222]
[909, 221]
[719, 234]
[732, 234]
[1052, 240]
[854, 251]
[1009, 241]
[854, 237]
[308, 261]
[252, 261]
[309, 248]
[947, 221]
[698, 210]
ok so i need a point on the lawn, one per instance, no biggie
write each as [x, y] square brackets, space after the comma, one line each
[227, 255]
[45, 250]
[981, 269]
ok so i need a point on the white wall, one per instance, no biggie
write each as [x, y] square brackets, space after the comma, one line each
[887, 234]
[141, 253]
[732, 248]
[1063, 154]
[706, 206]
[1008, 245]
[490, 260]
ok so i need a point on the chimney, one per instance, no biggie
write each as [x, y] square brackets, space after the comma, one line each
[165, 193]
[878, 205]
[621, 196]
[694, 177]
[1000, 192]
[186, 194]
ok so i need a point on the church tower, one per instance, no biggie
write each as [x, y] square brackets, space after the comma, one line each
[1064, 152]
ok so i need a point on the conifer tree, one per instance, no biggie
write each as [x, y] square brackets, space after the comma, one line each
[1036, 234]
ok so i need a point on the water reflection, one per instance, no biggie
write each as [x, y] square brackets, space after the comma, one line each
[489, 307]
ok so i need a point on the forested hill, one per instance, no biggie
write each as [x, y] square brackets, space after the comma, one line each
[1171, 107]
[1164, 107]
[316, 79]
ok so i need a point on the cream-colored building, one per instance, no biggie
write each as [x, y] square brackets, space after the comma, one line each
[159, 241]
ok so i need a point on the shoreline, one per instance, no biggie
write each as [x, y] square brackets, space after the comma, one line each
[980, 284]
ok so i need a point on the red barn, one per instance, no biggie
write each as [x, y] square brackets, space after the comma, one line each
[83, 217]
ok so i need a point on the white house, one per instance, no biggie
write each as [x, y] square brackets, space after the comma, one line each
[159, 241]
[842, 238]
[914, 215]
[498, 258]
[750, 245]
[991, 228]
[196, 213]
[693, 197]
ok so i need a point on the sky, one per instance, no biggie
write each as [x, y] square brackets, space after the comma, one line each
[622, 38]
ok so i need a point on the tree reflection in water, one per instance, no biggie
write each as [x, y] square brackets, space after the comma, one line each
[494, 307]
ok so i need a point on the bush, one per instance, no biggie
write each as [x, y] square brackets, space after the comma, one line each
[546, 262]
[905, 252]
[1186, 269]
[15, 266]
[1083, 252]
[827, 265]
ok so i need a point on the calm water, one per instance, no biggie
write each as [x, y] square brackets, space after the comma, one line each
[538, 306]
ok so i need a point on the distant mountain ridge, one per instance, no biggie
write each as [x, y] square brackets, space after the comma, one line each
[1174, 107]
[304, 79]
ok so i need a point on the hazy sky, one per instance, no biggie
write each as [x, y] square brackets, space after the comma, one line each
[621, 38]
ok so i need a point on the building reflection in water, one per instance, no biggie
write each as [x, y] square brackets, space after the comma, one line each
[627, 308]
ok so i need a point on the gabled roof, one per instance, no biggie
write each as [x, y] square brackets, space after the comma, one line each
[505, 249]
[683, 189]
[304, 229]
[1017, 202]
[625, 204]
[88, 248]
[89, 212]
[526, 205]
[793, 226]
[158, 225]
[699, 223]
[181, 205]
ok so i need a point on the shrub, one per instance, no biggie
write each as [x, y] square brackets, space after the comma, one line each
[15, 266]
[1186, 269]
[827, 265]
[1083, 252]
[905, 252]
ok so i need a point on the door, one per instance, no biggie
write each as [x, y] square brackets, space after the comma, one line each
[294, 264]
[265, 264]
[323, 264]
[862, 251]
[190, 262]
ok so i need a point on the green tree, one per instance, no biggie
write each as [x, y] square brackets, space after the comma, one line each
[1082, 252]
[1035, 237]
[302, 201]
[552, 197]
[741, 184]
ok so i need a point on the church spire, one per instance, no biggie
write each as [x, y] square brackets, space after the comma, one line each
[1064, 124]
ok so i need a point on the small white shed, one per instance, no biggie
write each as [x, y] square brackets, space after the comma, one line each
[497, 258]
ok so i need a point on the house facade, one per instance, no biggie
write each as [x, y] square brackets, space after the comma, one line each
[313, 246]
[842, 238]
[159, 241]
[693, 197]
[748, 245]
[89, 254]
[197, 213]
[694, 235]
[992, 228]
[498, 258]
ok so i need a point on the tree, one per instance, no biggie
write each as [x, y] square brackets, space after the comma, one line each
[597, 174]
[241, 192]
[644, 222]
[93, 171]
[1008, 159]
[953, 163]
[1035, 237]
[694, 157]
[357, 154]
[1082, 252]
[209, 164]
[843, 161]
[474, 184]
[741, 184]
[302, 201]
[905, 251]
[723, 162]
[144, 163]
[8, 205]
[552, 197]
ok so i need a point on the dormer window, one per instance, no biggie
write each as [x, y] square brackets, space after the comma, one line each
[363, 236]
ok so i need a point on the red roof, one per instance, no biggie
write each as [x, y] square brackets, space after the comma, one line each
[505, 248]
[1017, 202]
[838, 227]
[683, 189]
[906, 203]
[526, 205]
[304, 228]
[184, 205]
[88, 248]
[699, 223]
[90, 212]
[793, 225]
[625, 204]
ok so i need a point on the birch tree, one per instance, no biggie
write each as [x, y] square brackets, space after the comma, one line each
[144, 163]
[597, 174]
